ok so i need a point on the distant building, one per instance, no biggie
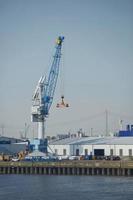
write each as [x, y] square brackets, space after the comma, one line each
[126, 133]
[62, 136]
[79, 133]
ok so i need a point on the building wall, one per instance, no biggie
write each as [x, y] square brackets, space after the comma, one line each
[73, 149]
[118, 150]
[59, 149]
[12, 149]
[125, 149]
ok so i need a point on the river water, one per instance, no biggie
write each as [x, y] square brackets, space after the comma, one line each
[42, 187]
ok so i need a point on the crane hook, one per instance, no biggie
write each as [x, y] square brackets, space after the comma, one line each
[62, 104]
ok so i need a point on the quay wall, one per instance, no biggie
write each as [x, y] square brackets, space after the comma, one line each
[104, 168]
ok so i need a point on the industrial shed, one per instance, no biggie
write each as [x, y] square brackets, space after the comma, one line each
[97, 146]
[11, 146]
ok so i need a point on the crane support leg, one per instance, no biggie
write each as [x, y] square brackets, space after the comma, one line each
[41, 130]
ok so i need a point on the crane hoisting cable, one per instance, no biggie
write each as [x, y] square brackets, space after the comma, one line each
[62, 103]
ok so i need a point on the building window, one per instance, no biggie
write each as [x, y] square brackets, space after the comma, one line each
[121, 152]
[56, 151]
[111, 152]
[86, 152]
[77, 152]
[64, 152]
[130, 152]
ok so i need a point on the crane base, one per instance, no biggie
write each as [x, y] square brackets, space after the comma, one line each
[38, 144]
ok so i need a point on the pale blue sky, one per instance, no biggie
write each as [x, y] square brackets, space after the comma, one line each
[98, 58]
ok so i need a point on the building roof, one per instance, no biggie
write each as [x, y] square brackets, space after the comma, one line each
[94, 140]
[9, 139]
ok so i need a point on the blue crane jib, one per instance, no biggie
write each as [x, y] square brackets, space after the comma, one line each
[44, 92]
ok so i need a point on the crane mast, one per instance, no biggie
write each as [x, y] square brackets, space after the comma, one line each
[44, 92]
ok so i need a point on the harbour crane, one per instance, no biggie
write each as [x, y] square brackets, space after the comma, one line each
[44, 92]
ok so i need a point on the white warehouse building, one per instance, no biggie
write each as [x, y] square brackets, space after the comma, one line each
[97, 146]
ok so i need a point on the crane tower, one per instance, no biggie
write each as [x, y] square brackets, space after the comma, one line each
[44, 92]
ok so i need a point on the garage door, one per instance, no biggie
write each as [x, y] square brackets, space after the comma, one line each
[99, 152]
